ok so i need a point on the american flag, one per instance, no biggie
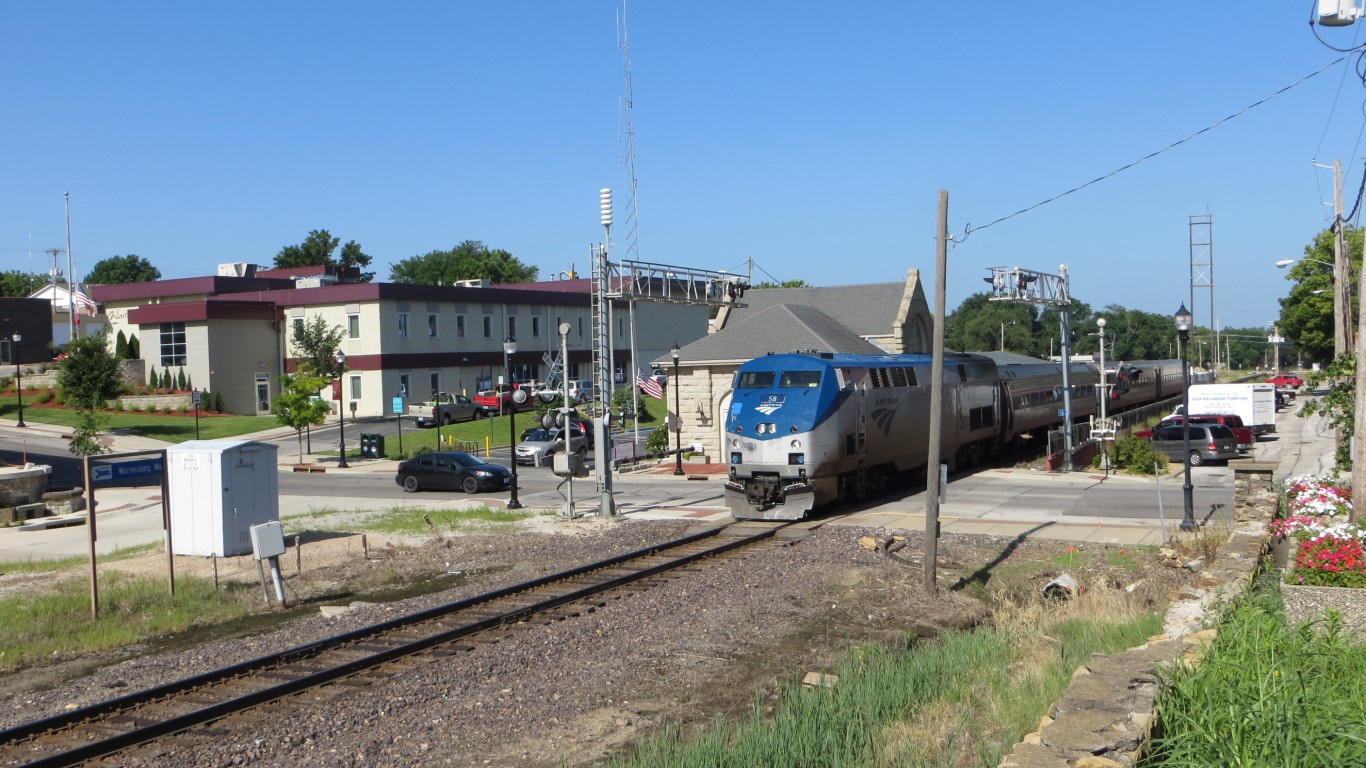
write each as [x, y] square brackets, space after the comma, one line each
[649, 385]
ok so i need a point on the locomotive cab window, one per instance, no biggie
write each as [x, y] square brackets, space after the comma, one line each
[800, 379]
[754, 379]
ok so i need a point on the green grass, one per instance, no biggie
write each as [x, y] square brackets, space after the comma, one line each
[909, 706]
[170, 427]
[1266, 694]
[402, 520]
[58, 622]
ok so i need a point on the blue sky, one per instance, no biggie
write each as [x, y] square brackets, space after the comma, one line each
[810, 137]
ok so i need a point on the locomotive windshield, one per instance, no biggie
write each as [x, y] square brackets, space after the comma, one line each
[801, 379]
[754, 379]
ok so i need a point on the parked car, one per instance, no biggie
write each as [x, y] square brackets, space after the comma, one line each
[1286, 380]
[1244, 435]
[447, 408]
[540, 445]
[450, 471]
[582, 391]
[584, 425]
[1208, 442]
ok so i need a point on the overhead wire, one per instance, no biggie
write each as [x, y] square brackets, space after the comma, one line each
[968, 229]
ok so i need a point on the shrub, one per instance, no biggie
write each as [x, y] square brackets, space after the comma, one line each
[217, 402]
[181, 410]
[1136, 456]
[658, 441]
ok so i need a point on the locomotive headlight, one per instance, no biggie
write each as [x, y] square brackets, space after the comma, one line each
[796, 444]
[735, 442]
[760, 428]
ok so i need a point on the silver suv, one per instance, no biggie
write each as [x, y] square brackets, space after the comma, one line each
[1208, 442]
[540, 445]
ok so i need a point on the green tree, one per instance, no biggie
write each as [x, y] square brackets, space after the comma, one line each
[134, 348]
[122, 269]
[316, 250]
[1307, 313]
[16, 284]
[784, 284]
[121, 347]
[976, 326]
[89, 374]
[470, 260]
[85, 436]
[298, 405]
[313, 344]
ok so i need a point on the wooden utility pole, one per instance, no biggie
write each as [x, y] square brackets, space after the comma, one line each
[941, 263]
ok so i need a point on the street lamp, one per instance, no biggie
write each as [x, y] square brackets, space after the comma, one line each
[1003, 334]
[339, 357]
[1342, 298]
[1104, 395]
[510, 349]
[18, 376]
[678, 414]
[1183, 329]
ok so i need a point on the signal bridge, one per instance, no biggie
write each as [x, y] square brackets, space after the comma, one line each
[648, 281]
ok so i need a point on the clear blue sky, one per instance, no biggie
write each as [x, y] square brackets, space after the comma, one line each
[810, 137]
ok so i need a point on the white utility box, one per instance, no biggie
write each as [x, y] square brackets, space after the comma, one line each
[218, 490]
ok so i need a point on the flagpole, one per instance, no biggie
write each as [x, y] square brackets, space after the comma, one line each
[70, 275]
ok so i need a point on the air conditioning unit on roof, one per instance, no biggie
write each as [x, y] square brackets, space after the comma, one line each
[237, 269]
[481, 283]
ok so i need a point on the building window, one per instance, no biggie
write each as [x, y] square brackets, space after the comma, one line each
[431, 326]
[403, 325]
[460, 326]
[355, 387]
[353, 326]
[512, 327]
[403, 388]
[535, 327]
[488, 327]
[298, 328]
[436, 383]
[173, 343]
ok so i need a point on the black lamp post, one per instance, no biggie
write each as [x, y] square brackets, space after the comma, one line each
[18, 376]
[1183, 329]
[509, 349]
[340, 358]
[678, 414]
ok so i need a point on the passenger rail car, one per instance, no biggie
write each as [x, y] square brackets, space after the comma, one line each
[807, 429]
[1034, 397]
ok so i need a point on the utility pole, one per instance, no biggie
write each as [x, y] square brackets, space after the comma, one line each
[932, 489]
[70, 272]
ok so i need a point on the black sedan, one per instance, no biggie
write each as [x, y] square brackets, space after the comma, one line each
[452, 470]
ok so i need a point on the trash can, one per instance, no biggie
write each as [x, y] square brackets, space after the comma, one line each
[371, 445]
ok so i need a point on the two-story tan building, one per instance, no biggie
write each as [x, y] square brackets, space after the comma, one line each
[230, 332]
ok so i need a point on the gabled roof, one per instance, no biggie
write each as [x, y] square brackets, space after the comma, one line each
[867, 310]
[776, 328]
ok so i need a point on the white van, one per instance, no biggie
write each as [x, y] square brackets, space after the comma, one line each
[582, 391]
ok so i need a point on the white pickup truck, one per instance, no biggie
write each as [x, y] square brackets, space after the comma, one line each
[447, 409]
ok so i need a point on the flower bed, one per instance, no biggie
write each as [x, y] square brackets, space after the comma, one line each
[1327, 565]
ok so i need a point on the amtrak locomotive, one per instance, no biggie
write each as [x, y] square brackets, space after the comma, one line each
[805, 429]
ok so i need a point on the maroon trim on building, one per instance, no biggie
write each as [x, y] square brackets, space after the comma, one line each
[183, 286]
[425, 360]
[198, 311]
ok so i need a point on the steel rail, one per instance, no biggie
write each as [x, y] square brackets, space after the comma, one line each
[13, 738]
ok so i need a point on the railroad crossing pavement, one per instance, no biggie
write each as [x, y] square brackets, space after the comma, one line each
[1082, 507]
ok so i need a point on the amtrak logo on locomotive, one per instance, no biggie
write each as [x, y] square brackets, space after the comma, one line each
[770, 403]
[882, 418]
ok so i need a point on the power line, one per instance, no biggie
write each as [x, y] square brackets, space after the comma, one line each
[968, 229]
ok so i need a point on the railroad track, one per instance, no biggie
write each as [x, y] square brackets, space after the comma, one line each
[176, 711]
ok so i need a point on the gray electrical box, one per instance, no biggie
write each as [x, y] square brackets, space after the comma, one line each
[218, 490]
[267, 540]
[569, 465]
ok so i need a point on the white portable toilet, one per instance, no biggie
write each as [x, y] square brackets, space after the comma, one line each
[218, 490]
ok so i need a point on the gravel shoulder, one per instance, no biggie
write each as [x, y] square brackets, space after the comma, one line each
[569, 692]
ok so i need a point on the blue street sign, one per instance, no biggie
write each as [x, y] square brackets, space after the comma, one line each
[1062, 413]
[141, 471]
[398, 405]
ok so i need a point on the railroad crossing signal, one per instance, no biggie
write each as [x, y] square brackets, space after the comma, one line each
[1026, 285]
